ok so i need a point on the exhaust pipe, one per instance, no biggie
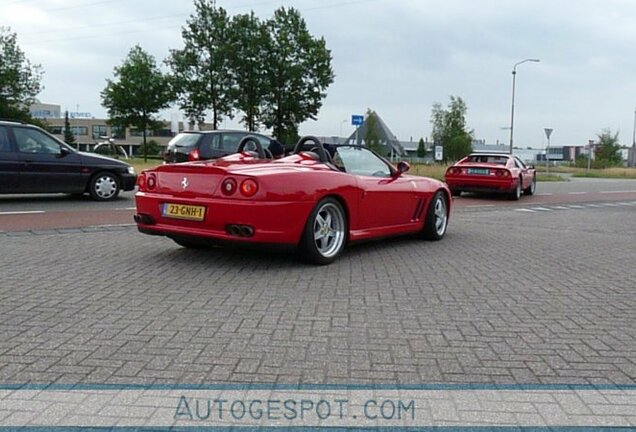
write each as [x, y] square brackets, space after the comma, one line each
[233, 230]
[240, 230]
[144, 219]
[246, 231]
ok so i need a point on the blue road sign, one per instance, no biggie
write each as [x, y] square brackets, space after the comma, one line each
[357, 120]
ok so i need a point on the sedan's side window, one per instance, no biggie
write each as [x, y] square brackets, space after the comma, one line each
[34, 141]
[519, 163]
[5, 145]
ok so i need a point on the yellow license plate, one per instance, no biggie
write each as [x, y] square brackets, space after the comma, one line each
[180, 211]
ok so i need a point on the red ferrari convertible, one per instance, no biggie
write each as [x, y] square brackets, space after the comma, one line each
[497, 172]
[315, 200]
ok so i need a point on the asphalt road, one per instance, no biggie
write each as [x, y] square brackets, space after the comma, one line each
[42, 212]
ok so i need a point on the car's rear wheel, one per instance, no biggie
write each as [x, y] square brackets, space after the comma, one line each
[104, 186]
[516, 193]
[530, 190]
[436, 220]
[325, 233]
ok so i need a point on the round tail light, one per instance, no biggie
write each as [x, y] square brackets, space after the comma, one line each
[141, 181]
[151, 182]
[228, 187]
[249, 187]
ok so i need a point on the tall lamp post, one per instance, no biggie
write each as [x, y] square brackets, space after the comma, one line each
[512, 111]
[633, 162]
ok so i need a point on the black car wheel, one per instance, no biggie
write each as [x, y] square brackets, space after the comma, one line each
[104, 186]
[325, 233]
[532, 188]
[516, 193]
[436, 220]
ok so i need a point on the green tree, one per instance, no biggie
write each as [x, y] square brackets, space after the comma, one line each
[421, 148]
[69, 138]
[372, 137]
[20, 80]
[248, 37]
[139, 91]
[201, 71]
[608, 150]
[298, 72]
[449, 129]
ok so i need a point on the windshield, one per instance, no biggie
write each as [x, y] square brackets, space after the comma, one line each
[186, 140]
[360, 161]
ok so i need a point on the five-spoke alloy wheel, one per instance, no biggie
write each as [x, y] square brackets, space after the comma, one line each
[325, 233]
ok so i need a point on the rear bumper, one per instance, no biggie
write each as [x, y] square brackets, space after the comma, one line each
[276, 223]
[485, 184]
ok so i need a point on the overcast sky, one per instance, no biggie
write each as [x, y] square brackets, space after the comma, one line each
[397, 57]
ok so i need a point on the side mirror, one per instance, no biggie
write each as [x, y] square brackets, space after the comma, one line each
[403, 167]
[530, 166]
[64, 152]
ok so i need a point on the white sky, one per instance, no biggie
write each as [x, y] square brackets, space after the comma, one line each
[396, 57]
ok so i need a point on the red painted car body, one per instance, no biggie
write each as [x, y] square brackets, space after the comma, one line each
[500, 173]
[243, 199]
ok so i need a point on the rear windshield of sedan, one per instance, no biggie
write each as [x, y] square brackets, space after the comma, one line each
[184, 140]
[501, 160]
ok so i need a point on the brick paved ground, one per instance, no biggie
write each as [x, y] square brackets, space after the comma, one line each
[507, 297]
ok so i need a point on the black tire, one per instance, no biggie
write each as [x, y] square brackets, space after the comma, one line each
[436, 221]
[325, 233]
[104, 186]
[516, 193]
[189, 243]
[530, 190]
[456, 192]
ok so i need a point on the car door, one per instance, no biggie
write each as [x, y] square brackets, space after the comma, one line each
[386, 200]
[9, 163]
[44, 165]
[526, 173]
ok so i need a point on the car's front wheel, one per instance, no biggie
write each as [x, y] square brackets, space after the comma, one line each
[104, 186]
[436, 220]
[530, 190]
[325, 233]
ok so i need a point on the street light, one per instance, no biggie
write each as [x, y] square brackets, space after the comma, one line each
[512, 113]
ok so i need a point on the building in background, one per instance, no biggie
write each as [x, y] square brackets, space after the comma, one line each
[90, 131]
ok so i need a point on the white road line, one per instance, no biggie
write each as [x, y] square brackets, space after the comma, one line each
[544, 194]
[525, 210]
[541, 209]
[593, 205]
[577, 193]
[560, 208]
[617, 192]
[473, 206]
[23, 212]
[576, 207]
[610, 205]
[126, 208]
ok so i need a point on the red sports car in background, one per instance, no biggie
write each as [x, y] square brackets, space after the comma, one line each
[481, 172]
[316, 200]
